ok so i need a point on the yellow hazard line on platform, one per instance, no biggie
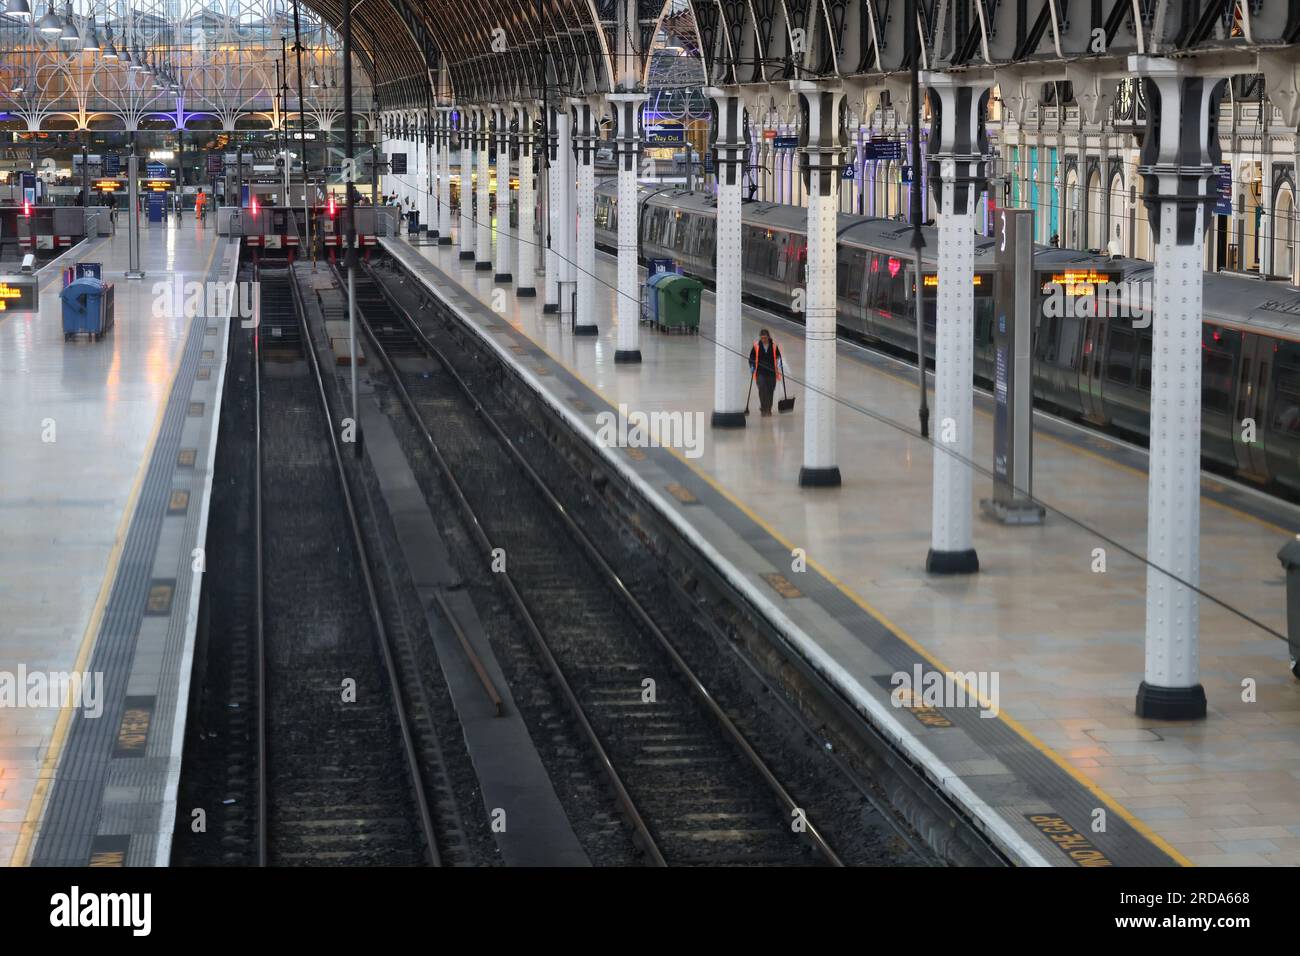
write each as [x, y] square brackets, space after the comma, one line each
[45, 778]
[1025, 734]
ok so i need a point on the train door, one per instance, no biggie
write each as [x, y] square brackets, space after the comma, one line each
[1222, 364]
[850, 276]
[1281, 412]
[1090, 368]
[1253, 379]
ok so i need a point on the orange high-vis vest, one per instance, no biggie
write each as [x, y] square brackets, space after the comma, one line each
[776, 357]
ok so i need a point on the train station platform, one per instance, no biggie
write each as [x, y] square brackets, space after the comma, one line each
[105, 477]
[1052, 764]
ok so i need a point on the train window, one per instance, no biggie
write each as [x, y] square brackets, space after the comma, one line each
[849, 273]
[1067, 343]
[658, 222]
[1045, 345]
[1144, 361]
[1286, 401]
[871, 296]
[1243, 393]
[1216, 380]
[751, 249]
[983, 321]
[1119, 363]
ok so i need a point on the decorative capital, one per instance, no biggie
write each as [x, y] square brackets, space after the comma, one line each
[823, 134]
[1181, 148]
[958, 146]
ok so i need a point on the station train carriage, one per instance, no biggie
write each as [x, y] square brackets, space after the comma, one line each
[1094, 368]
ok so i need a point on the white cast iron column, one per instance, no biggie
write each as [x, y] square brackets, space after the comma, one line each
[821, 152]
[957, 173]
[483, 204]
[1177, 165]
[505, 231]
[429, 212]
[562, 195]
[444, 176]
[526, 267]
[553, 233]
[584, 145]
[627, 157]
[730, 369]
[466, 157]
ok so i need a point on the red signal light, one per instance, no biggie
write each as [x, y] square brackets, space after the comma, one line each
[27, 209]
[252, 205]
[329, 206]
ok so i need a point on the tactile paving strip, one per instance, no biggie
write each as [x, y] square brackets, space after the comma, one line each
[90, 818]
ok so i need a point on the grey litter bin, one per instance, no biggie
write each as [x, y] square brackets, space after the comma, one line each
[1290, 558]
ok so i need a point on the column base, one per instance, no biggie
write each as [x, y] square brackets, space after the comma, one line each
[503, 277]
[526, 292]
[727, 420]
[1171, 703]
[550, 308]
[482, 267]
[627, 356]
[952, 562]
[466, 256]
[819, 477]
[586, 330]
[444, 240]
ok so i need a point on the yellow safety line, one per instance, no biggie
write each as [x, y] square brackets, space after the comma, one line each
[36, 806]
[1028, 736]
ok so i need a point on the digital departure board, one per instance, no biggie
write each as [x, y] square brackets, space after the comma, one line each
[19, 294]
[982, 282]
[1076, 282]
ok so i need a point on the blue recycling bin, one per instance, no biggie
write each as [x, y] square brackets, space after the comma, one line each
[84, 309]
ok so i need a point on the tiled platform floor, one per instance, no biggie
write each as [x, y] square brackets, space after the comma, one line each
[66, 504]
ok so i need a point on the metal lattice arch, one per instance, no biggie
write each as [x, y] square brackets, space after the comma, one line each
[492, 51]
[169, 64]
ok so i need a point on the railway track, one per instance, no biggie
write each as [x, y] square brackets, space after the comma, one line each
[220, 770]
[340, 775]
[683, 774]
